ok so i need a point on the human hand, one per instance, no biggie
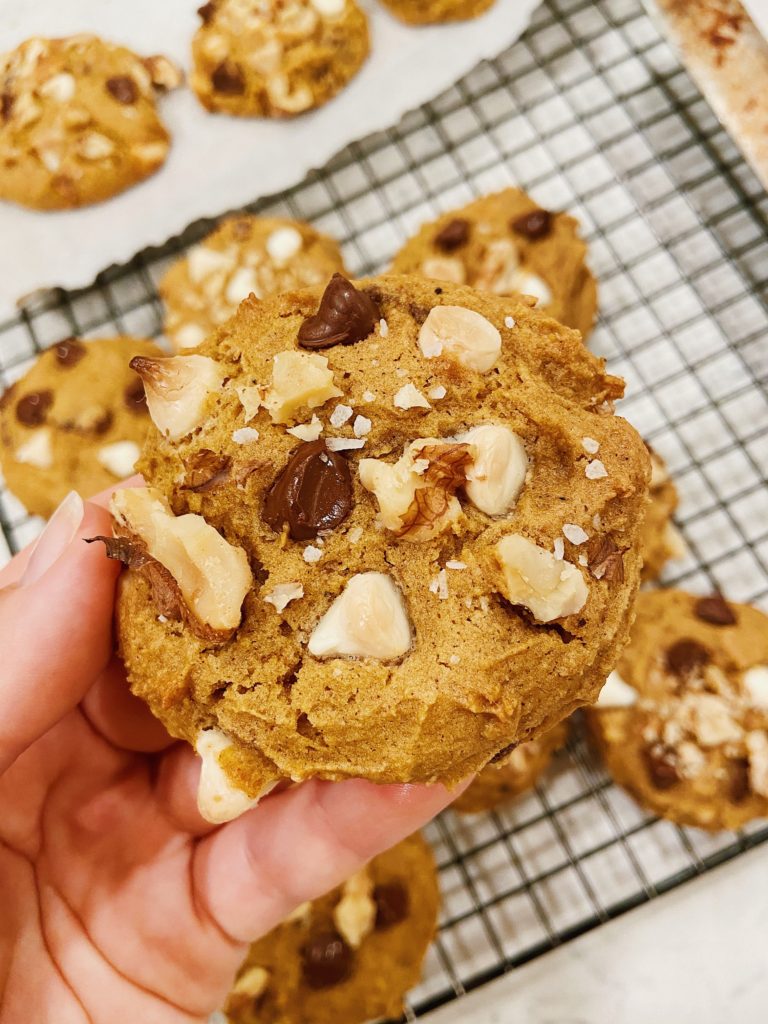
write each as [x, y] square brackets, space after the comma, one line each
[119, 903]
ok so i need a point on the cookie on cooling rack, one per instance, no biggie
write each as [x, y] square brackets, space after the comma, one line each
[661, 541]
[76, 419]
[78, 120]
[276, 59]
[244, 255]
[398, 555]
[506, 243]
[433, 12]
[350, 956]
[683, 722]
[499, 782]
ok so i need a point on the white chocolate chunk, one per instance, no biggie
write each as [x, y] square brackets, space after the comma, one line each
[534, 578]
[329, 8]
[589, 444]
[189, 336]
[757, 751]
[755, 682]
[282, 594]
[202, 262]
[355, 913]
[532, 284]
[251, 398]
[240, 285]
[252, 983]
[367, 620]
[37, 450]
[498, 470]
[283, 244]
[119, 458]
[177, 390]
[307, 431]
[300, 381]
[217, 799]
[59, 87]
[463, 335]
[444, 268]
[616, 693]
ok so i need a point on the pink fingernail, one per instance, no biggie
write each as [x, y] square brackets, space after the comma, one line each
[58, 534]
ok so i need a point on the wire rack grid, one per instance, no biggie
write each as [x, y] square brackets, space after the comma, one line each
[591, 112]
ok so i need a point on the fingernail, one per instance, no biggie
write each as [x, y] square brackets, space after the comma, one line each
[58, 534]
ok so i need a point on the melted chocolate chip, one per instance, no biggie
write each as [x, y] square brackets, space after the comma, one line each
[32, 409]
[685, 656]
[123, 89]
[69, 352]
[738, 779]
[715, 610]
[326, 960]
[391, 904]
[660, 763]
[534, 225]
[453, 235]
[228, 79]
[206, 12]
[312, 493]
[134, 398]
[6, 106]
[345, 316]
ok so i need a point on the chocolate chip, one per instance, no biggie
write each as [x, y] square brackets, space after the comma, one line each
[345, 316]
[605, 560]
[312, 493]
[228, 79]
[32, 409]
[326, 960]
[661, 765]
[134, 398]
[6, 106]
[534, 225]
[453, 235]
[69, 352]
[738, 779]
[391, 904]
[123, 89]
[685, 656]
[206, 12]
[715, 610]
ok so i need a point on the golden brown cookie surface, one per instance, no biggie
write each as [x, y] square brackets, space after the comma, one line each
[506, 244]
[684, 724]
[78, 120]
[245, 254]
[498, 783]
[350, 956]
[276, 59]
[661, 540]
[431, 565]
[76, 420]
[432, 12]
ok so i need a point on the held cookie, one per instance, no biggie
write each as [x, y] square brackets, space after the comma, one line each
[506, 244]
[433, 12]
[498, 783]
[375, 543]
[78, 121]
[683, 722]
[276, 58]
[350, 956]
[661, 541]
[76, 419]
[245, 254]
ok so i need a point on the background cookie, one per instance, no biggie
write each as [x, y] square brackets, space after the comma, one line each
[431, 12]
[518, 772]
[661, 541]
[683, 723]
[506, 244]
[78, 121]
[76, 419]
[388, 628]
[276, 59]
[350, 956]
[245, 254]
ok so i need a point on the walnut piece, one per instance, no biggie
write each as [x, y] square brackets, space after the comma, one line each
[461, 334]
[177, 390]
[355, 913]
[367, 620]
[549, 587]
[499, 466]
[301, 381]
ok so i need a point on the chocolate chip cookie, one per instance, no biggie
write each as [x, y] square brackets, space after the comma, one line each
[499, 782]
[683, 722]
[433, 12]
[507, 244]
[276, 59]
[78, 120]
[245, 255]
[661, 541]
[391, 529]
[76, 419]
[350, 956]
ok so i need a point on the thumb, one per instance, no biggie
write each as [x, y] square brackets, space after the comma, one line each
[55, 625]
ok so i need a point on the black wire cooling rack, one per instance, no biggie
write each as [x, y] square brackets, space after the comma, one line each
[591, 112]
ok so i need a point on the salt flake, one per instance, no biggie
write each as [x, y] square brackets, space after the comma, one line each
[574, 534]
[312, 554]
[244, 435]
[361, 426]
[409, 397]
[595, 470]
[340, 415]
[589, 444]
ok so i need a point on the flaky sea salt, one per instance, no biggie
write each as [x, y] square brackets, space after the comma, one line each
[595, 470]
[355, 534]
[559, 547]
[437, 392]
[454, 659]
[509, 321]
[439, 585]
[409, 397]
[589, 444]
[453, 564]
[344, 444]
[307, 431]
[340, 415]
[361, 426]
[244, 435]
[383, 328]
[574, 533]
[312, 554]
[368, 396]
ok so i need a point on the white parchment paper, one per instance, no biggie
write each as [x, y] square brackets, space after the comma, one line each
[218, 163]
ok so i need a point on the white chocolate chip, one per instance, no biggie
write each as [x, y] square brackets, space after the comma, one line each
[202, 262]
[217, 799]
[589, 444]
[711, 720]
[755, 682]
[177, 390]
[119, 458]
[595, 470]
[409, 397]
[367, 620]
[37, 450]
[361, 426]
[532, 284]
[463, 335]
[94, 146]
[616, 693]
[312, 554]
[282, 594]
[355, 913]
[497, 473]
[283, 244]
[444, 268]
[59, 87]
[534, 578]
[437, 392]
[252, 983]
[340, 415]
[575, 534]
[189, 336]
[240, 285]
[245, 435]
[300, 380]
[307, 431]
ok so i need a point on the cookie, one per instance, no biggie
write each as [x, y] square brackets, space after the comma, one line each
[400, 556]
[244, 255]
[76, 419]
[683, 722]
[661, 541]
[276, 59]
[506, 244]
[433, 12]
[78, 120]
[350, 956]
[500, 782]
